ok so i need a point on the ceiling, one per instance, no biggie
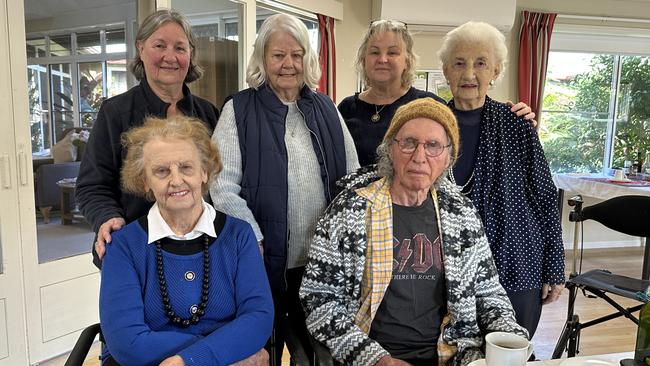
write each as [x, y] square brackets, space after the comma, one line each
[41, 9]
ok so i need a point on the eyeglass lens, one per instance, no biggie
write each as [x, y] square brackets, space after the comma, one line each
[431, 148]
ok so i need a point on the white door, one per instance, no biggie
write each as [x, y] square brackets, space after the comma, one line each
[58, 298]
[13, 349]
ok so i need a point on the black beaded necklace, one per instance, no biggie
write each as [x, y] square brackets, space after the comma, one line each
[205, 288]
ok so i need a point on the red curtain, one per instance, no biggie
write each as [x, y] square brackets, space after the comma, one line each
[327, 56]
[534, 44]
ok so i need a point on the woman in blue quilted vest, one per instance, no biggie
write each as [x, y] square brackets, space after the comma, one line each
[283, 147]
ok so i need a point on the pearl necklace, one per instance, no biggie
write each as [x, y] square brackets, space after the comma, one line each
[205, 288]
[462, 188]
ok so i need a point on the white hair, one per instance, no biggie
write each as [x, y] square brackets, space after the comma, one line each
[256, 73]
[475, 32]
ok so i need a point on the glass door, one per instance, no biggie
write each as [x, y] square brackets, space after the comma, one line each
[72, 65]
[13, 161]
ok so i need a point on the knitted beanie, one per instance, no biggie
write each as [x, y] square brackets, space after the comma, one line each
[426, 108]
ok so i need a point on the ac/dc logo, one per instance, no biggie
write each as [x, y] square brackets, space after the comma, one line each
[417, 253]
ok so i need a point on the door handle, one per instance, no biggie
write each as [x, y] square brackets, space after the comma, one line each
[22, 166]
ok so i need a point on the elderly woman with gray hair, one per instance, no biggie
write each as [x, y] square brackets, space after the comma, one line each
[502, 169]
[184, 284]
[164, 64]
[283, 147]
[401, 254]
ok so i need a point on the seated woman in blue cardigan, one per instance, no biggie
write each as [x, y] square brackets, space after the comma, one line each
[184, 285]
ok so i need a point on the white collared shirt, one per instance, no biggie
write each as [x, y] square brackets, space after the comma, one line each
[159, 229]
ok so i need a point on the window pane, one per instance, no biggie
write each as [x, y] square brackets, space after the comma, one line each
[576, 110]
[62, 114]
[36, 47]
[232, 31]
[115, 41]
[90, 92]
[217, 54]
[633, 113]
[116, 77]
[60, 45]
[38, 109]
[88, 43]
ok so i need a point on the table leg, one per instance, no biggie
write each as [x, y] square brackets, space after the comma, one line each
[66, 210]
[646, 264]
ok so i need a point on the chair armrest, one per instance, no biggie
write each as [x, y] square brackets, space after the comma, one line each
[81, 348]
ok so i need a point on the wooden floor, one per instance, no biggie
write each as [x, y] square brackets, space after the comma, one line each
[614, 336]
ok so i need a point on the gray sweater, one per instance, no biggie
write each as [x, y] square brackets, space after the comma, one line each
[305, 187]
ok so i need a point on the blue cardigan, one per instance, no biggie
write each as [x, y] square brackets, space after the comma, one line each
[239, 315]
[515, 195]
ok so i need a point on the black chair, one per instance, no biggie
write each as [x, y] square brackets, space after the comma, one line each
[81, 348]
[299, 356]
[626, 214]
[321, 355]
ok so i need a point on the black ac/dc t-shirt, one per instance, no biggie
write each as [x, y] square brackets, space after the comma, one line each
[407, 323]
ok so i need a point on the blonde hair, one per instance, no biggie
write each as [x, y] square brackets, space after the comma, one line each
[256, 73]
[179, 127]
[382, 26]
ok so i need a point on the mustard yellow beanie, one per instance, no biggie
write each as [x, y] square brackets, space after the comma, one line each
[431, 109]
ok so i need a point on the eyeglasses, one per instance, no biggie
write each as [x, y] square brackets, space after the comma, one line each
[431, 148]
[391, 23]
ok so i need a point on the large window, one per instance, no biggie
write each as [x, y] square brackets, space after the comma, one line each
[596, 110]
[69, 75]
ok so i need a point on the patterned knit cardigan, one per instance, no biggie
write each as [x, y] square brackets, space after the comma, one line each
[332, 291]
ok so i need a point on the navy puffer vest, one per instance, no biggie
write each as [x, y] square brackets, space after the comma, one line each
[260, 118]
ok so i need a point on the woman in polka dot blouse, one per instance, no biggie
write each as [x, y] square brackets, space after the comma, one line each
[503, 170]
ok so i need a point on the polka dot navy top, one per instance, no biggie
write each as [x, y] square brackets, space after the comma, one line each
[515, 195]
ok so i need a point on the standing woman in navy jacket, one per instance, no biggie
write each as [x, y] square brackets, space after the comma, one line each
[502, 168]
[283, 147]
[163, 64]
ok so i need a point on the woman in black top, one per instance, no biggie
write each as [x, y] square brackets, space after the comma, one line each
[163, 64]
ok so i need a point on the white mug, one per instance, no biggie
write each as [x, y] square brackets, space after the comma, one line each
[619, 174]
[507, 349]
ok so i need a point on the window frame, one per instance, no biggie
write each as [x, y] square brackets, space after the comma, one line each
[75, 59]
[596, 39]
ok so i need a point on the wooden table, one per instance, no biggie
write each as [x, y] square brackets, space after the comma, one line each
[68, 210]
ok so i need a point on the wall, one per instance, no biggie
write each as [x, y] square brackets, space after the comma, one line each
[356, 17]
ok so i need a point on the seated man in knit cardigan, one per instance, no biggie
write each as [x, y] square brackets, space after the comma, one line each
[401, 254]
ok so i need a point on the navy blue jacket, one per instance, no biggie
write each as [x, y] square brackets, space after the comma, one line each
[517, 199]
[260, 117]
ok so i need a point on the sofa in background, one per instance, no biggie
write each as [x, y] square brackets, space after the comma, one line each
[46, 190]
